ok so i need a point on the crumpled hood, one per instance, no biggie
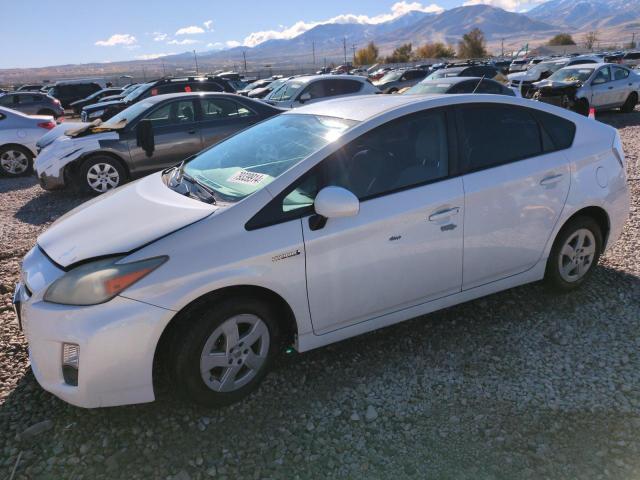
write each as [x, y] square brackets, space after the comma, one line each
[555, 84]
[120, 221]
[56, 132]
[520, 76]
[102, 105]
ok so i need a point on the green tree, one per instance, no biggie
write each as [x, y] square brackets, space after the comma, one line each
[472, 45]
[435, 50]
[561, 39]
[402, 54]
[367, 55]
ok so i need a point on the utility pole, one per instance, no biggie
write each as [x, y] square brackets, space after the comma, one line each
[633, 40]
[244, 58]
[164, 71]
[353, 47]
[313, 50]
[195, 57]
[502, 47]
[344, 47]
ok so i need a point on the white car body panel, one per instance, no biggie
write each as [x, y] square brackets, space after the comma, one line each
[20, 129]
[353, 266]
[149, 210]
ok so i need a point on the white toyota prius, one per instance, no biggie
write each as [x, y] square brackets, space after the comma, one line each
[319, 224]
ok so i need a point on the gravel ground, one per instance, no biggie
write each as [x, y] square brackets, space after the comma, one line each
[522, 384]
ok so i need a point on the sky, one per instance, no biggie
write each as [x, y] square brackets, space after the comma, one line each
[80, 31]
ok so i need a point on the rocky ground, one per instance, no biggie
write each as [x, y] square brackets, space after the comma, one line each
[522, 384]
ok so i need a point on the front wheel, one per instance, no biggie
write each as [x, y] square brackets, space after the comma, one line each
[630, 103]
[101, 173]
[574, 255]
[223, 351]
[15, 161]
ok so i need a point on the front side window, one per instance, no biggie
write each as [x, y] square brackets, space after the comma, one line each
[403, 153]
[173, 113]
[602, 76]
[512, 134]
[250, 160]
[315, 90]
[288, 91]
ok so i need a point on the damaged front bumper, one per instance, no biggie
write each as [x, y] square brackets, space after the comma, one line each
[564, 96]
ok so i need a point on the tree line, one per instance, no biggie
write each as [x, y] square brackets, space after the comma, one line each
[471, 45]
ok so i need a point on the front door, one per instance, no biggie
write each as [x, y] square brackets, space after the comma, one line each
[515, 190]
[176, 136]
[602, 94]
[404, 247]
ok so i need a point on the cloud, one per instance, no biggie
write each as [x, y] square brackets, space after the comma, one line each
[397, 10]
[215, 45]
[159, 36]
[192, 30]
[208, 24]
[117, 39]
[511, 5]
[151, 56]
[186, 41]
[232, 43]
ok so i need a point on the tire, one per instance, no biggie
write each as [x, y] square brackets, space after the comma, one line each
[15, 161]
[232, 376]
[100, 174]
[630, 103]
[582, 107]
[574, 254]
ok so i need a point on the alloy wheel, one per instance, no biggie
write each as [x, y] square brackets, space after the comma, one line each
[102, 177]
[577, 255]
[234, 353]
[14, 162]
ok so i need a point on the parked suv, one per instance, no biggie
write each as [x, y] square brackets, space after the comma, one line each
[631, 59]
[311, 89]
[486, 71]
[106, 110]
[69, 92]
[396, 80]
[32, 103]
[152, 134]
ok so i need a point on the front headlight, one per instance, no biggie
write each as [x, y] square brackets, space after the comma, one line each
[96, 114]
[99, 281]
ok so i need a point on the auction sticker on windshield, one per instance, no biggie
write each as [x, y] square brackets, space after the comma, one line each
[246, 178]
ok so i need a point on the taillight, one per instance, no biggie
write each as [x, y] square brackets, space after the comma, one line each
[56, 101]
[48, 125]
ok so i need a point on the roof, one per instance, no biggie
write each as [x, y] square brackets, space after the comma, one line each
[453, 80]
[167, 96]
[357, 107]
[310, 78]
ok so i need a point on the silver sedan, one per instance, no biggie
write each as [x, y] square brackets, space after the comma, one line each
[601, 86]
[18, 136]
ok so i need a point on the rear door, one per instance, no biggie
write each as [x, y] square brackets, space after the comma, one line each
[622, 85]
[176, 136]
[222, 117]
[515, 187]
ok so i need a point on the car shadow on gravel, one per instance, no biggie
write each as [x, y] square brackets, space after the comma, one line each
[500, 387]
[620, 120]
[48, 206]
[17, 183]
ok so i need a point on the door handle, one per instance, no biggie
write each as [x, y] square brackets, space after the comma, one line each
[551, 179]
[442, 214]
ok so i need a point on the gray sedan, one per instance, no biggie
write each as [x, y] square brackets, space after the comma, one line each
[32, 103]
[601, 86]
[150, 135]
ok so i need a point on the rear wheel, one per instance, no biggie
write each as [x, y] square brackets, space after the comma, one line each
[630, 103]
[223, 351]
[100, 174]
[15, 160]
[574, 255]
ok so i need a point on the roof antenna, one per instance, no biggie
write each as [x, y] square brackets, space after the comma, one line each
[481, 79]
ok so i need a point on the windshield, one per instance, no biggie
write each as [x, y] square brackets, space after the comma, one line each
[428, 87]
[391, 76]
[571, 75]
[126, 115]
[137, 92]
[286, 92]
[547, 67]
[250, 160]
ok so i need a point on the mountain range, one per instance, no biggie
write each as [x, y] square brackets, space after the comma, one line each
[615, 21]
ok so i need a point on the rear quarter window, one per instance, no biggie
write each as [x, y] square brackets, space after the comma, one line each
[560, 130]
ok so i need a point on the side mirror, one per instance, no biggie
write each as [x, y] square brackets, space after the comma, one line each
[305, 97]
[144, 136]
[333, 202]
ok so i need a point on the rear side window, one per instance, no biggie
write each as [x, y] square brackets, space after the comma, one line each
[341, 87]
[620, 73]
[206, 87]
[493, 135]
[560, 130]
